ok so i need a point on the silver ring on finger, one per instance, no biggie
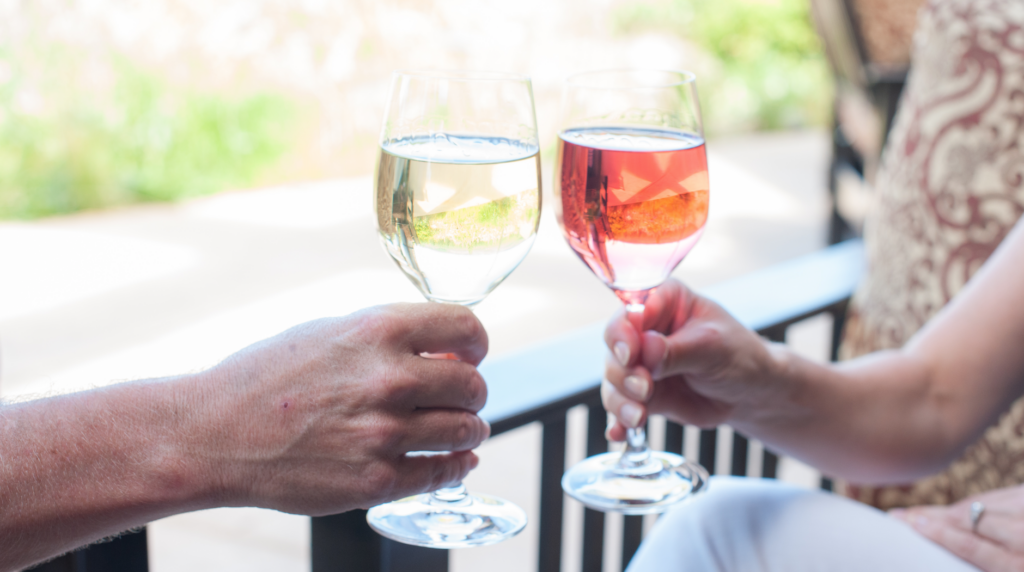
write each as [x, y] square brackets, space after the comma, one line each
[977, 510]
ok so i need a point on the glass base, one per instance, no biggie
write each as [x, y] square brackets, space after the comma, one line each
[447, 519]
[605, 483]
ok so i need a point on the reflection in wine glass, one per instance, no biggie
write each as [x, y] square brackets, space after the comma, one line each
[458, 204]
[632, 181]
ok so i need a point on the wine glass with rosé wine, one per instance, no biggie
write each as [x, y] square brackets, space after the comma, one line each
[632, 199]
[458, 199]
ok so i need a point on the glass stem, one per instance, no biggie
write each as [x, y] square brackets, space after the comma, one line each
[458, 494]
[449, 495]
[636, 454]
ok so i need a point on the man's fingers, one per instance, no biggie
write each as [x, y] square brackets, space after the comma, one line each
[426, 473]
[433, 383]
[439, 329]
[443, 430]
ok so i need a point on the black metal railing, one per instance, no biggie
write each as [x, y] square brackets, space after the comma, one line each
[540, 385]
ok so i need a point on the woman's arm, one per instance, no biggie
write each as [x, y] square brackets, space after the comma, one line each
[888, 417]
[316, 420]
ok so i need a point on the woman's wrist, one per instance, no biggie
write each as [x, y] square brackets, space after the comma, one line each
[775, 394]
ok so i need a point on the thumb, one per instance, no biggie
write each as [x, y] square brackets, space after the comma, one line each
[655, 351]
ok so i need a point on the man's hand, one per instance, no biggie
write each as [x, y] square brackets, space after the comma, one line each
[320, 419]
[693, 362]
[317, 420]
[998, 543]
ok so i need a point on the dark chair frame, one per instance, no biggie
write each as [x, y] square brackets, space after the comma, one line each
[840, 30]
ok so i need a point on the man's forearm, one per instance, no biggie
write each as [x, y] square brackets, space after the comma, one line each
[77, 468]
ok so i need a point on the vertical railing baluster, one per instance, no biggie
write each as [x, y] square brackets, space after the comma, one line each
[740, 445]
[398, 557]
[345, 543]
[838, 321]
[66, 563]
[552, 466]
[673, 437]
[593, 521]
[769, 464]
[126, 553]
[708, 446]
[632, 535]
[632, 530]
[838, 312]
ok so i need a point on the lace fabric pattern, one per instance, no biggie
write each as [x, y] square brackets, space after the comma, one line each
[950, 187]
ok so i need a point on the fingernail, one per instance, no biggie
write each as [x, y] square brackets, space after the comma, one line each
[630, 415]
[622, 353]
[638, 386]
[920, 522]
[488, 426]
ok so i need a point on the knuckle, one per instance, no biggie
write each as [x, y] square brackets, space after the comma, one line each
[389, 435]
[380, 322]
[711, 336]
[381, 482]
[396, 387]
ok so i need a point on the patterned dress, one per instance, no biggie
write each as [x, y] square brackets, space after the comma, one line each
[950, 186]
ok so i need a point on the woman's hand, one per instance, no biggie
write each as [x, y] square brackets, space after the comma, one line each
[693, 363]
[996, 545]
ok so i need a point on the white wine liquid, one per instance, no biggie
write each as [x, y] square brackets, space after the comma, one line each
[457, 213]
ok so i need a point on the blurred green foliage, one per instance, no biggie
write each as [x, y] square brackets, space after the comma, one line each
[67, 145]
[770, 70]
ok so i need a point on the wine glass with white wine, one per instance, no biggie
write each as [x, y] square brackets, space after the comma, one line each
[458, 199]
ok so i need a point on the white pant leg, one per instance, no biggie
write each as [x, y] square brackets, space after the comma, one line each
[761, 525]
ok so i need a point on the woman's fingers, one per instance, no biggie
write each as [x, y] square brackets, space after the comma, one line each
[934, 524]
[628, 412]
[623, 340]
[655, 350]
[661, 314]
[1002, 521]
[634, 383]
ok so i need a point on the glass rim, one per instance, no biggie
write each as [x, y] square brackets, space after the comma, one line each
[579, 79]
[462, 75]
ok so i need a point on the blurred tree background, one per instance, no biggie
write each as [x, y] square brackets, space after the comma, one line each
[112, 102]
[768, 69]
